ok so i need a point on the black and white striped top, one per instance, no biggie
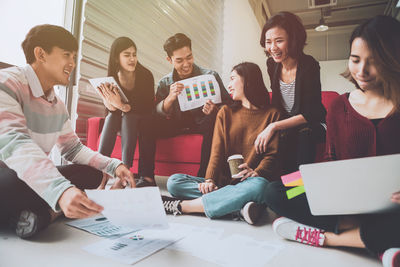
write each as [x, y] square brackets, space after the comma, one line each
[287, 92]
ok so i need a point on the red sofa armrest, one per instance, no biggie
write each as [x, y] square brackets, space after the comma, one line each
[93, 130]
[327, 97]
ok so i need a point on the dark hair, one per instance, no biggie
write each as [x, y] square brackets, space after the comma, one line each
[294, 28]
[176, 42]
[253, 85]
[47, 36]
[120, 44]
[382, 35]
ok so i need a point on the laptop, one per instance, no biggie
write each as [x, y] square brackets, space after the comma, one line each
[353, 186]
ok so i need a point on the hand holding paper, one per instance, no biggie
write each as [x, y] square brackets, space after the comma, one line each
[209, 107]
[197, 90]
[75, 204]
[138, 208]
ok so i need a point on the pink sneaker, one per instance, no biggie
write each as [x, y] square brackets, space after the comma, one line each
[295, 231]
[391, 257]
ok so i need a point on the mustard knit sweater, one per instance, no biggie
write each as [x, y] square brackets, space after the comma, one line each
[235, 133]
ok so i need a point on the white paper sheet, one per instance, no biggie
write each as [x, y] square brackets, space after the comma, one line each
[197, 240]
[101, 226]
[235, 250]
[197, 90]
[97, 81]
[134, 247]
[139, 208]
[239, 250]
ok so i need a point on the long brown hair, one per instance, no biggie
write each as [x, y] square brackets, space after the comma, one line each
[382, 35]
[253, 85]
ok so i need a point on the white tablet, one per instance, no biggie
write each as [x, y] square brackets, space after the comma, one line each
[97, 81]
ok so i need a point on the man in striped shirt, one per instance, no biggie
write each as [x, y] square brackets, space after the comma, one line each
[32, 120]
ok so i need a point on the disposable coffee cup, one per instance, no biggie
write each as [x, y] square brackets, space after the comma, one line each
[234, 162]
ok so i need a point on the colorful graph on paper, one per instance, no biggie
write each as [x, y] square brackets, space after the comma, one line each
[197, 90]
[188, 94]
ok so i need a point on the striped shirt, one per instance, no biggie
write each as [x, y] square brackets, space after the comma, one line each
[287, 92]
[30, 125]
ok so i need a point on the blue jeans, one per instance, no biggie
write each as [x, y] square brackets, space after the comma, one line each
[226, 200]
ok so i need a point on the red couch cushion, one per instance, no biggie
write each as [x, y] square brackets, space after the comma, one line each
[175, 154]
[181, 148]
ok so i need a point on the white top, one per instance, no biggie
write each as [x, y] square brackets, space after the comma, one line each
[287, 92]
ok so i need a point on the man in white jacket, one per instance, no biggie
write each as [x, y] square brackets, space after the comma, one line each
[32, 120]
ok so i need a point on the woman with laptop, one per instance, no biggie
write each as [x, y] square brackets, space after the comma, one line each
[363, 123]
[132, 119]
[296, 92]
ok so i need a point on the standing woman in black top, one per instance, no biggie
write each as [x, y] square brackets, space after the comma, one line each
[132, 119]
[296, 91]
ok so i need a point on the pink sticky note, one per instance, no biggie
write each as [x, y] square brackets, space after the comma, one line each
[288, 178]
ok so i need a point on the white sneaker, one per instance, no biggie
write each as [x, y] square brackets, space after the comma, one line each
[251, 212]
[391, 257]
[295, 231]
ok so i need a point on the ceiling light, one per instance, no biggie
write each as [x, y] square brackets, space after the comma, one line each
[322, 26]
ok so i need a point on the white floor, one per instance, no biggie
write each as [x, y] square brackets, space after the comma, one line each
[60, 245]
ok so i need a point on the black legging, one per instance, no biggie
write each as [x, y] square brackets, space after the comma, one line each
[16, 195]
[132, 127]
[378, 231]
[298, 145]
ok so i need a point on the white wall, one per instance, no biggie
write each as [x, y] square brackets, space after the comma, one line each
[331, 80]
[241, 43]
[241, 39]
[18, 17]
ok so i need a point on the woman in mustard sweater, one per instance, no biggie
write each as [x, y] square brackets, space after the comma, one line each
[235, 131]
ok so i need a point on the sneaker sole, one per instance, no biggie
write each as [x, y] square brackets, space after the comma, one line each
[248, 210]
[280, 221]
[26, 225]
[391, 259]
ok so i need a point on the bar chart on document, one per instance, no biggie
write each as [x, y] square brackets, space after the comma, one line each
[197, 90]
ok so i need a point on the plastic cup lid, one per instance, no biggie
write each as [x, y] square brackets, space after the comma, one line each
[236, 156]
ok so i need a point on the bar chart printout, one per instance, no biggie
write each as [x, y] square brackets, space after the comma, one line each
[198, 90]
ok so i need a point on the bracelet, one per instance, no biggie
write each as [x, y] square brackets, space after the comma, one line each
[209, 180]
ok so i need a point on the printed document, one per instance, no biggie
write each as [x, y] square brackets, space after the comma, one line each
[134, 247]
[197, 90]
[101, 226]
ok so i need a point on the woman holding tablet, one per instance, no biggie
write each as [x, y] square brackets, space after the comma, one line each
[363, 123]
[133, 118]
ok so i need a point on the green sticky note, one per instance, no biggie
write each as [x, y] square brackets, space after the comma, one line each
[294, 192]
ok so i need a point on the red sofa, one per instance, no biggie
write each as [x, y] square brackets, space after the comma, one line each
[180, 154]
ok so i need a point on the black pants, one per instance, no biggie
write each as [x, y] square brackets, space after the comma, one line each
[169, 128]
[16, 195]
[132, 127]
[298, 145]
[378, 231]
